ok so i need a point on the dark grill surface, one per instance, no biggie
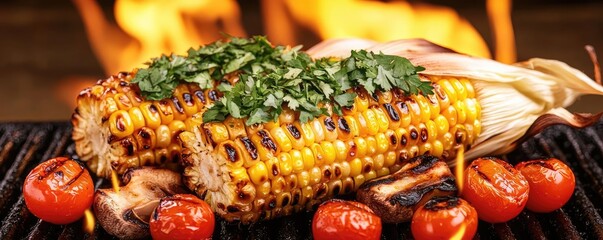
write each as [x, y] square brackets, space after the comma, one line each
[23, 145]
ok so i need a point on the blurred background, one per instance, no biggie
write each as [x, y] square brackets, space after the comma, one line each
[53, 49]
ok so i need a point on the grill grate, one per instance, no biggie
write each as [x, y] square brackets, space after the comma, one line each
[24, 145]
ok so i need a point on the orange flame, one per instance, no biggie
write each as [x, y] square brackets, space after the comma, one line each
[459, 233]
[376, 20]
[114, 181]
[459, 168]
[147, 29]
[499, 13]
[89, 221]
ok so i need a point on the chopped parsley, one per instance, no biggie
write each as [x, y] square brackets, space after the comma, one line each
[273, 77]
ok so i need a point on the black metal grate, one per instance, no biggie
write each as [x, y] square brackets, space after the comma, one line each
[24, 145]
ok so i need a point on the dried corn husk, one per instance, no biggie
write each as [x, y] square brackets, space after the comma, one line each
[517, 100]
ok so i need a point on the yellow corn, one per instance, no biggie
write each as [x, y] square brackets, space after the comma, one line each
[301, 165]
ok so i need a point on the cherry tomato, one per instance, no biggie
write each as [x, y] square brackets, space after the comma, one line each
[551, 184]
[58, 190]
[182, 216]
[443, 218]
[339, 219]
[495, 189]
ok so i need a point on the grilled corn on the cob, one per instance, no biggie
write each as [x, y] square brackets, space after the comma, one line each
[273, 169]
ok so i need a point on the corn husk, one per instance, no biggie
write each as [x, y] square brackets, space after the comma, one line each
[517, 100]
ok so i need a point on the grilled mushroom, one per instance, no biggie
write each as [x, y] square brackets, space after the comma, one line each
[126, 213]
[395, 197]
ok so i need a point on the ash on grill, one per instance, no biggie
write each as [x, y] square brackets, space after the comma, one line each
[24, 145]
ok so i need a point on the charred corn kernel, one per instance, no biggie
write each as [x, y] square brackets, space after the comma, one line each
[371, 145]
[303, 179]
[384, 97]
[161, 155]
[413, 110]
[471, 110]
[319, 155]
[265, 144]
[459, 89]
[177, 109]
[187, 100]
[370, 117]
[278, 185]
[231, 152]
[294, 134]
[355, 167]
[283, 199]
[135, 98]
[239, 175]
[273, 168]
[367, 164]
[341, 150]
[235, 127]
[334, 187]
[308, 157]
[442, 125]
[392, 139]
[163, 136]
[285, 163]
[120, 124]
[403, 137]
[329, 127]
[263, 189]
[413, 136]
[281, 138]
[382, 142]
[349, 110]
[347, 185]
[291, 182]
[297, 160]
[344, 130]
[393, 115]
[424, 106]
[437, 148]
[405, 117]
[413, 151]
[136, 117]
[249, 152]
[122, 101]
[318, 130]
[390, 158]
[145, 138]
[329, 152]
[258, 173]
[363, 125]
[459, 134]
[403, 157]
[378, 161]
[327, 173]
[315, 175]
[216, 132]
[307, 133]
[382, 119]
[370, 175]
[447, 87]
[440, 94]
[382, 172]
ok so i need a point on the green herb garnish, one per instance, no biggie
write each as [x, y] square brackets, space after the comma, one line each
[273, 77]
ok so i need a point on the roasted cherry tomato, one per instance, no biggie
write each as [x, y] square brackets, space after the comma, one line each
[339, 219]
[58, 190]
[551, 184]
[444, 218]
[182, 216]
[495, 189]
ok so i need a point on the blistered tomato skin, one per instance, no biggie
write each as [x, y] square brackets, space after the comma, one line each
[551, 184]
[444, 218]
[348, 220]
[58, 191]
[182, 216]
[495, 189]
